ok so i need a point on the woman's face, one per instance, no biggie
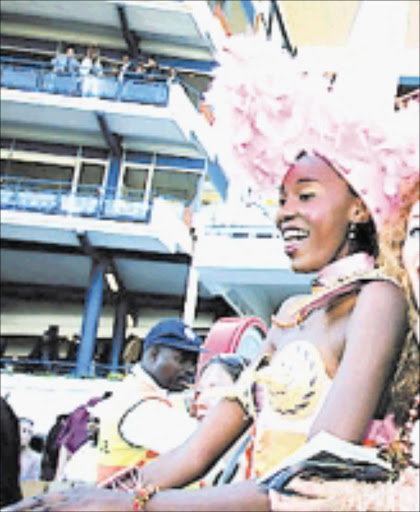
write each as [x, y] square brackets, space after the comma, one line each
[212, 377]
[316, 207]
[26, 432]
[411, 251]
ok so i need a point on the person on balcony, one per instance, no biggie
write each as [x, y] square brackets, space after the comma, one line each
[87, 63]
[47, 347]
[66, 63]
[126, 66]
[90, 69]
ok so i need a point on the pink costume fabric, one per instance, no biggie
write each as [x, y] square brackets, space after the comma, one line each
[268, 109]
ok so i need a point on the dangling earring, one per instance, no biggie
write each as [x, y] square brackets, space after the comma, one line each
[351, 233]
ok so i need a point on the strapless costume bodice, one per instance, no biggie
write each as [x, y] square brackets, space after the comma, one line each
[287, 395]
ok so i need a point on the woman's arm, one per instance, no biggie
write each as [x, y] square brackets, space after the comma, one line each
[190, 461]
[374, 334]
[237, 497]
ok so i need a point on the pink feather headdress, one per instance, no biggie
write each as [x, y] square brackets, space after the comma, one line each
[268, 109]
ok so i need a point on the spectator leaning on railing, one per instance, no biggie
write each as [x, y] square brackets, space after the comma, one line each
[66, 63]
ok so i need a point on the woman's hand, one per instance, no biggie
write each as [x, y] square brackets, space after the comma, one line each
[76, 499]
[308, 497]
[403, 495]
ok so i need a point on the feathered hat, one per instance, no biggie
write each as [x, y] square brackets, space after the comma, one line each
[269, 108]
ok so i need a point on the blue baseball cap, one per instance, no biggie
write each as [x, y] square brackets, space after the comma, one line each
[173, 332]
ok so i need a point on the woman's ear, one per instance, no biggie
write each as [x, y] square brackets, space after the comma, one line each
[359, 214]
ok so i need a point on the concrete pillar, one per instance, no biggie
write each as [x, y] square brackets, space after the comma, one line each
[91, 314]
[191, 294]
[118, 334]
[113, 177]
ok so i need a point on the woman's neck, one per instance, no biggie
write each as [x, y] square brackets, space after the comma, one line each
[354, 264]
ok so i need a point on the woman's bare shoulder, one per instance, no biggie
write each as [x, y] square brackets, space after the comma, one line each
[385, 293]
[380, 312]
[284, 312]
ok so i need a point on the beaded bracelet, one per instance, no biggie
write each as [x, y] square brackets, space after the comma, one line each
[142, 495]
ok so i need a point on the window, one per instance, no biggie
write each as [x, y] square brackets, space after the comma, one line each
[51, 176]
[175, 185]
[90, 178]
[134, 183]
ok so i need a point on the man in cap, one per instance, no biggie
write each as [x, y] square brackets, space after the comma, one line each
[142, 420]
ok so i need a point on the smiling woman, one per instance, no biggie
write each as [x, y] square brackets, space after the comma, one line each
[318, 215]
[328, 356]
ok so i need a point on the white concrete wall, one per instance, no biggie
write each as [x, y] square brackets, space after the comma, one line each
[43, 398]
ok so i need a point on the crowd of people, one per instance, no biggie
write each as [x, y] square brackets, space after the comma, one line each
[100, 438]
[92, 65]
[56, 353]
[343, 359]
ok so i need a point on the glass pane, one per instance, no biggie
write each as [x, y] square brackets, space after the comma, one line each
[174, 185]
[91, 174]
[5, 167]
[134, 183]
[50, 176]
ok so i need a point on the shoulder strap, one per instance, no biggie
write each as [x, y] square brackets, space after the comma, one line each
[132, 408]
[329, 295]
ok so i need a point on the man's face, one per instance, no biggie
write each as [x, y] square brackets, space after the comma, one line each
[174, 369]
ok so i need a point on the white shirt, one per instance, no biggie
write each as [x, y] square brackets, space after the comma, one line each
[30, 465]
[82, 466]
[155, 423]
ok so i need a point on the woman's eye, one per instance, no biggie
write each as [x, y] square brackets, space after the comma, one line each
[306, 196]
[282, 201]
[414, 232]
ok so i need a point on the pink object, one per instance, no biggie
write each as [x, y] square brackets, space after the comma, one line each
[225, 335]
[268, 109]
[381, 432]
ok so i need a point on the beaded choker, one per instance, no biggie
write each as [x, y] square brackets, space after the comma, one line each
[335, 280]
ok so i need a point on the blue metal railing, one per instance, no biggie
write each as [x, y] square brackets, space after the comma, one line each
[24, 74]
[56, 198]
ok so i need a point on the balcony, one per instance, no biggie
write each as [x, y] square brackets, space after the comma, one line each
[55, 198]
[33, 76]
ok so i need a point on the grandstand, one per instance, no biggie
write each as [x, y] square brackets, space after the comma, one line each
[115, 211]
[99, 183]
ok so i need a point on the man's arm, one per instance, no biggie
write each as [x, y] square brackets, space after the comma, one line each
[190, 461]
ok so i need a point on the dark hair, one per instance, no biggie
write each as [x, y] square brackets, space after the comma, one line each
[37, 443]
[234, 364]
[365, 239]
[49, 459]
[10, 491]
